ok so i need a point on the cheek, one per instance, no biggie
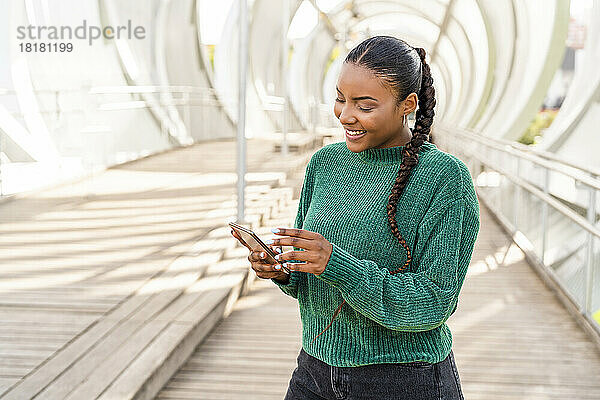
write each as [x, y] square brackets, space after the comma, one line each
[370, 122]
[337, 110]
[383, 121]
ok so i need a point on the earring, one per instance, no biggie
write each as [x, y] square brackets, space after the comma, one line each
[404, 120]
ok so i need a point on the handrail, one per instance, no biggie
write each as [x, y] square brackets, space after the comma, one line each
[536, 151]
[589, 181]
[557, 205]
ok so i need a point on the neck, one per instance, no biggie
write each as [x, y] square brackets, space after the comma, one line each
[401, 139]
[389, 155]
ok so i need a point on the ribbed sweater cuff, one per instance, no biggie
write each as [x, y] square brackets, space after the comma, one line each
[343, 270]
[291, 283]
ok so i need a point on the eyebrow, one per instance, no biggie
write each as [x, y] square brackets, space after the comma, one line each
[358, 98]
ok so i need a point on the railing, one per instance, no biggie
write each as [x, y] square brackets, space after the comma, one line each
[549, 204]
[181, 112]
[317, 114]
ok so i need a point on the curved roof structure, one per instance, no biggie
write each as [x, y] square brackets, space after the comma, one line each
[492, 63]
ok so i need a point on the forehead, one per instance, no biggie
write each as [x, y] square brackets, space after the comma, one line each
[357, 80]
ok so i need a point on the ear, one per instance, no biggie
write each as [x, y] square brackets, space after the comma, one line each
[410, 103]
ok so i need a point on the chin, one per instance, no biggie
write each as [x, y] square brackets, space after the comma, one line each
[355, 147]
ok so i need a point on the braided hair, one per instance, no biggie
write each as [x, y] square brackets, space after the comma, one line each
[404, 69]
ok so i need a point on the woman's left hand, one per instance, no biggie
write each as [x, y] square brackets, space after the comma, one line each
[316, 254]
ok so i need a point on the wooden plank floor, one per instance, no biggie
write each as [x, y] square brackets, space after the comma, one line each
[512, 338]
[71, 255]
[249, 355]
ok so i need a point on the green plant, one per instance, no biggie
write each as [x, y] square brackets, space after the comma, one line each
[541, 121]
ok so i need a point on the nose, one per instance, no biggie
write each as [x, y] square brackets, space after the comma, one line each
[346, 117]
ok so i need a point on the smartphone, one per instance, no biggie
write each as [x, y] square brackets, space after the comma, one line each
[254, 242]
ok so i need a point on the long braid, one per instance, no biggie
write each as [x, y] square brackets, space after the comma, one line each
[410, 158]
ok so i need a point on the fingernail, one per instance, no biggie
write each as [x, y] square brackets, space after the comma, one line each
[262, 254]
[270, 241]
[277, 249]
[275, 230]
[277, 256]
[277, 266]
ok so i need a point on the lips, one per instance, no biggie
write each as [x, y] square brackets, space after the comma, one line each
[355, 134]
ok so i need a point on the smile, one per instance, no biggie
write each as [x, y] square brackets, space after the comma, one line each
[353, 135]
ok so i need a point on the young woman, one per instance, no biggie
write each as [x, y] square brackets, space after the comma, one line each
[383, 237]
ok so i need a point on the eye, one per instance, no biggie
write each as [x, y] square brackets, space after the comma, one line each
[339, 100]
[365, 109]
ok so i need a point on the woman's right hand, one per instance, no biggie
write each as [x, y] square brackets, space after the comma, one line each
[263, 269]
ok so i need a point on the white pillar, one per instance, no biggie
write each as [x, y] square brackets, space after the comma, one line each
[285, 19]
[241, 126]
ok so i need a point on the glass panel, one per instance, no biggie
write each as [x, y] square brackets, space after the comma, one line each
[530, 220]
[595, 309]
[566, 252]
[532, 173]
[488, 185]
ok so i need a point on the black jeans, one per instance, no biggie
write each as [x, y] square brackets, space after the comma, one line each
[419, 380]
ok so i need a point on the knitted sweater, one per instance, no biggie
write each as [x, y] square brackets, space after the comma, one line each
[387, 318]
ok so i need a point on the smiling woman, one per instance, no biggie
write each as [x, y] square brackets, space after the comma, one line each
[398, 277]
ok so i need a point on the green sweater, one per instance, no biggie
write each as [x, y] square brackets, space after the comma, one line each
[387, 318]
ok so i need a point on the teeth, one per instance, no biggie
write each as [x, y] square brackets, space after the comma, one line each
[355, 133]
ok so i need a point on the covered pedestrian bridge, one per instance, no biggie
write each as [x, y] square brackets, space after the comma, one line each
[122, 161]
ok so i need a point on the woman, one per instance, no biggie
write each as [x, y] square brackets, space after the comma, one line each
[385, 229]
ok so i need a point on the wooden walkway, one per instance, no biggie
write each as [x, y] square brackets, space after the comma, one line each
[513, 340]
[102, 280]
[250, 355]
